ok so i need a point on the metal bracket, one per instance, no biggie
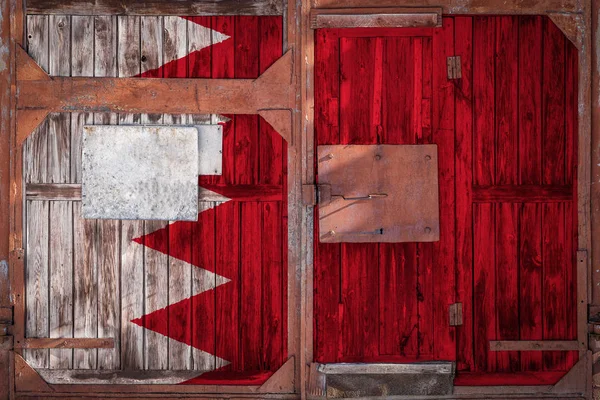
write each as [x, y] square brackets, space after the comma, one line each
[454, 68]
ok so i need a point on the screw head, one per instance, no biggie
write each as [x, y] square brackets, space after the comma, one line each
[427, 229]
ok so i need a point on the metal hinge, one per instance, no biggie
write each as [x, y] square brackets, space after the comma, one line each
[456, 315]
[315, 194]
[454, 69]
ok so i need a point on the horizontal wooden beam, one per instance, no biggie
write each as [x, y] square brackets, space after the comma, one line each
[207, 192]
[38, 94]
[534, 345]
[440, 367]
[523, 193]
[512, 7]
[67, 343]
[375, 17]
[155, 7]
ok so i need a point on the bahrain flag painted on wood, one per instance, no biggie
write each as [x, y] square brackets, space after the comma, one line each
[235, 319]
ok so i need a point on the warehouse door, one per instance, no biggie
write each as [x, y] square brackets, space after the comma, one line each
[380, 301]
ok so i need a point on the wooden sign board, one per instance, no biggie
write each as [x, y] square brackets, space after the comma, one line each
[379, 193]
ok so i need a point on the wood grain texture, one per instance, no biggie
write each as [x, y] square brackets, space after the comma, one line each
[496, 199]
[178, 7]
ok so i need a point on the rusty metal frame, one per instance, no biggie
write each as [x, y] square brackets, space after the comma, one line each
[574, 18]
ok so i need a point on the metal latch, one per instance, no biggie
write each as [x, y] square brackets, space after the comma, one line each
[454, 68]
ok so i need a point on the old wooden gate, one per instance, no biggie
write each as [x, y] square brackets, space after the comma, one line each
[505, 127]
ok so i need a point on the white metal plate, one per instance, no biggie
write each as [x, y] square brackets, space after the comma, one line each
[210, 142]
[140, 172]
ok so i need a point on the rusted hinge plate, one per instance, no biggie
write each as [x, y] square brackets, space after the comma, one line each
[454, 68]
[316, 194]
[456, 315]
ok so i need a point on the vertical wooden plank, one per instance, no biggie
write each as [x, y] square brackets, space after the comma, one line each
[400, 67]
[484, 322]
[507, 285]
[553, 104]
[36, 268]
[358, 261]
[105, 56]
[425, 268]
[553, 172]
[554, 290]
[506, 100]
[251, 286]
[109, 313]
[61, 280]
[199, 48]
[327, 279]
[247, 54]
[443, 136]
[399, 73]
[85, 280]
[464, 182]
[151, 43]
[204, 314]
[530, 278]
[154, 266]
[484, 161]
[227, 217]
[530, 172]
[132, 273]
[530, 99]
[174, 47]
[228, 297]
[273, 291]
[357, 72]
[398, 326]
[109, 293]
[36, 280]
[484, 154]
[271, 169]
[223, 67]
[61, 213]
[36, 146]
[81, 65]
[59, 134]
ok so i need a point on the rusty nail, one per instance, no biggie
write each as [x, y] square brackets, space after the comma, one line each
[378, 157]
[427, 229]
[428, 157]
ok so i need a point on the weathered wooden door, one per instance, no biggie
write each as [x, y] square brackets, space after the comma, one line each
[506, 136]
[386, 301]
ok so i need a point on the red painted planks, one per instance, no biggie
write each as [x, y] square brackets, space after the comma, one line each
[398, 327]
[507, 290]
[530, 100]
[327, 279]
[251, 307]
[553, 104]
[401, 91]
[507, 285]
[530, 277]
[554, 297]
[484, 290]
[443, 136]
[464, 180]
[227, 298]
[357, 73]
[483, 95]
